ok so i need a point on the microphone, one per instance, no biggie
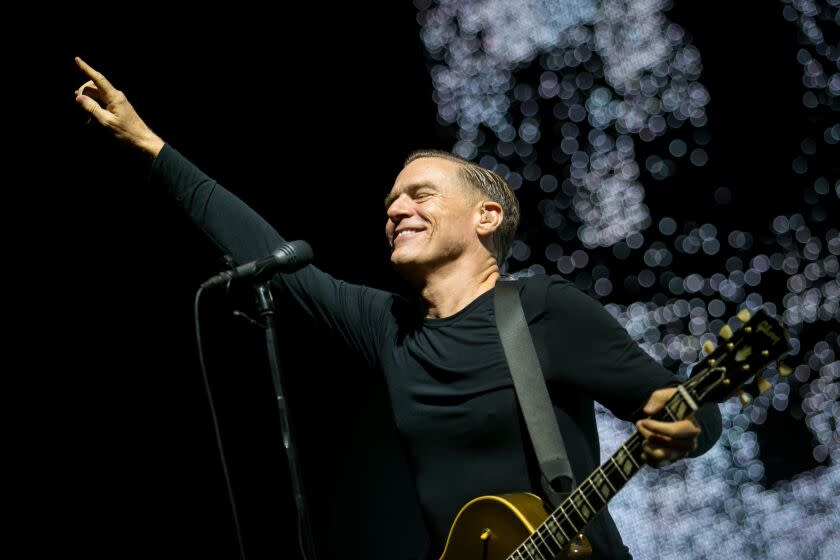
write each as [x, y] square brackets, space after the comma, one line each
[289, 257]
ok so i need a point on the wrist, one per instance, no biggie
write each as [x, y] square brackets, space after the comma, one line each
[151, 145]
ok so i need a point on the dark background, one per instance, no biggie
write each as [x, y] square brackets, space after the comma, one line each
[310, 131]
[118, 440]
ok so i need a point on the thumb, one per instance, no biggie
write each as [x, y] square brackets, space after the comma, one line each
[93, 108]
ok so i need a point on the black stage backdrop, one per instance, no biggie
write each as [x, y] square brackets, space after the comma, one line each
[306, 113]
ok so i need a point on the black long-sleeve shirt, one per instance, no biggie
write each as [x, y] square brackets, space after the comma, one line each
[449, 384]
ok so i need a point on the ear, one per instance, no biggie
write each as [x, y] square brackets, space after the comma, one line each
[490, 218]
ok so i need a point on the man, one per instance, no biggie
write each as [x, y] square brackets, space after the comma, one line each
[450, 224]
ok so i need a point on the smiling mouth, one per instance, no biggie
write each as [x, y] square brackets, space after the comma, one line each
[407, 233]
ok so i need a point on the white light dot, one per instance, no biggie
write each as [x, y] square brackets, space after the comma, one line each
[677, 148]
[565, 264]
[699, 157]
[646, 278]
[667, 226]
[603, 287]
[580, 259]
[635, 240]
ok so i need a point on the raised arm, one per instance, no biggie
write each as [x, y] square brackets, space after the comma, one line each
[230, 223]
[356, 313]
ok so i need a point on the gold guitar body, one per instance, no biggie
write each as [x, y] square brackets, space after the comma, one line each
[491, 527]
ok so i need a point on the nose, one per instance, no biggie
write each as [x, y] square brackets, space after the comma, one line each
[400, 208]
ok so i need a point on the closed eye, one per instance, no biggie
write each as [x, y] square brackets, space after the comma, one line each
[422, 190]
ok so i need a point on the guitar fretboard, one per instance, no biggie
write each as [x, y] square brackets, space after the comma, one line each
[592, 495]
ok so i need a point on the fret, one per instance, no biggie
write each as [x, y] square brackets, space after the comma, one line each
[524, 551]
[617, 478]
[675, 408]
[569, 519]
[592, 483]
[587, 515]
[583, 496]
[551, 531]
[550, 553]
[607, 480]
[582, 518]
[630, 455]
[670, 414]
[518, 553]
[618, 468]
[559, 524]
[531, 547]
[626, 462]
[688, 401]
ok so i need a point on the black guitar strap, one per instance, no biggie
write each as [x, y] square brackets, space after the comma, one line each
[557, 478]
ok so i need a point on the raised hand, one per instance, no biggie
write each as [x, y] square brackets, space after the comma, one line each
[666, 442]
[111, 109]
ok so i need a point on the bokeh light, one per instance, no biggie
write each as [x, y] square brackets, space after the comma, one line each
[588, 107]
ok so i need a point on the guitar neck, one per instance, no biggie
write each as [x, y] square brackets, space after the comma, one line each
[723, 370]
[592, 495]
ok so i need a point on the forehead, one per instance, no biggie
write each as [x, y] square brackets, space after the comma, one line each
[429, 171]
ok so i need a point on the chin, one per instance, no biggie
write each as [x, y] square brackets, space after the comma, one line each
[399, 260]
[407, 266]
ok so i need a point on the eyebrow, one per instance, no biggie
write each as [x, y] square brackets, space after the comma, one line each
[389, 200]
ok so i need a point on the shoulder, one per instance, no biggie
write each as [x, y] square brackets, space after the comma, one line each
[541, 293]
[554, 295]
[546, 287]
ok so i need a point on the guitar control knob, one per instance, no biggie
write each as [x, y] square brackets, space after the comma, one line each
[763, 384]
[745, 398]
[743, 315]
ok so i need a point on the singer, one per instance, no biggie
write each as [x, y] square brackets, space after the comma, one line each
[450, 224]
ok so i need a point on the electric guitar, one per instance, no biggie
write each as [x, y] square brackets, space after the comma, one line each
[518, 526]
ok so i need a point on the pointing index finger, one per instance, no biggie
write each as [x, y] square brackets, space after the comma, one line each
[105, 88]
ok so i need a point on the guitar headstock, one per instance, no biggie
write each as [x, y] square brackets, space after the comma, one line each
[740, 355]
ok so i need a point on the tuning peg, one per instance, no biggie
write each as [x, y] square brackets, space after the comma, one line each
[726, 332]
[745, 398]
[743, 315]
[709, 347]
[784, 369]
[763, 384]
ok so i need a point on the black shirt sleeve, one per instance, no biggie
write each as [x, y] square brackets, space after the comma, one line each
[230, 223]
[355, 312]
[597, 355]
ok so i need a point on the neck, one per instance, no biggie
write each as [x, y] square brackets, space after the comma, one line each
[448, 292]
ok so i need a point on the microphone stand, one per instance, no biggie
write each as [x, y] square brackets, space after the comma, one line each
[265, 304]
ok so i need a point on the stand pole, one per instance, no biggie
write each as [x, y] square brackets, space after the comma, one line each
[265, 304]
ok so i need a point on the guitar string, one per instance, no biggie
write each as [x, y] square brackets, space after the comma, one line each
[631, 446]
